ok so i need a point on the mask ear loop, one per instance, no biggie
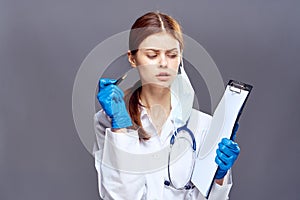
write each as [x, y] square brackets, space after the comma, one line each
[180, 66]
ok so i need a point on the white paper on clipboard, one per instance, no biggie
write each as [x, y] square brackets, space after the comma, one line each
[222, 124]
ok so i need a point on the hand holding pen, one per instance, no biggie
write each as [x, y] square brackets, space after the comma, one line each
[110, 96]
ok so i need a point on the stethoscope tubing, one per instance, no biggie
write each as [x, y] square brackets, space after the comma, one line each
[188, 185]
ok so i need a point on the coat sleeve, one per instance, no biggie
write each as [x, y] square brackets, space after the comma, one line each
[113, 182]
[221, 192]
[218, 192]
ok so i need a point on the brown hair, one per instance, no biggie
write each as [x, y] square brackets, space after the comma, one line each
[146, 25]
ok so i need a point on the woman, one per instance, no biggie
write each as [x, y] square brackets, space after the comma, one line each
[132, 128]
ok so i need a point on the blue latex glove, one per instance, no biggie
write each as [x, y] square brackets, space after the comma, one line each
[110, 97]
[227, 153]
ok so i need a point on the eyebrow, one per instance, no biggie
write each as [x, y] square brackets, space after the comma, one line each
[157, 50]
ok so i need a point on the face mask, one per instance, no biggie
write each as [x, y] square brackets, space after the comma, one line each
[182, 94]
[182, 98]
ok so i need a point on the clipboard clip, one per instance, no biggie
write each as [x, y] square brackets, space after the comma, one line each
[236, 86]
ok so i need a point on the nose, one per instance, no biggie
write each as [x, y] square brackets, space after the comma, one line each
[163, 61]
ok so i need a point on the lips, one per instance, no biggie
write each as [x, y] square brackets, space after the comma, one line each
[163, 74]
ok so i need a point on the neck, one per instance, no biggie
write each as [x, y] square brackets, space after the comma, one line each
[157, 101]
[156, 96]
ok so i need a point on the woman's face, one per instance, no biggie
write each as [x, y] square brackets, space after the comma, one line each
[157, 59]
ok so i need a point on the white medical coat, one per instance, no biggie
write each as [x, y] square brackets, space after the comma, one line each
[117, 184]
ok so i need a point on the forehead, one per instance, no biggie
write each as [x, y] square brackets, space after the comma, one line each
[161, 40]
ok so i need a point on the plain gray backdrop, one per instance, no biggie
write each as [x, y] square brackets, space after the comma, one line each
[43, 43]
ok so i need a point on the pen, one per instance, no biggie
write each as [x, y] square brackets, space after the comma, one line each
[119, 80]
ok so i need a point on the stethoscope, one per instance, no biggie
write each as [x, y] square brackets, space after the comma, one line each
[189, 184]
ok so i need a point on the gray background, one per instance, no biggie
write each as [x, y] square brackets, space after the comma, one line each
[43, 43]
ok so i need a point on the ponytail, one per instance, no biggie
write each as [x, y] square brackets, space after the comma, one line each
[132, 100]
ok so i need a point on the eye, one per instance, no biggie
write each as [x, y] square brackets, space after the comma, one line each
[172, 55]
[152, 56]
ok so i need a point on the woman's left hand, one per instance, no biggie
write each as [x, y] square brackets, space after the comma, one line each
[227, 154]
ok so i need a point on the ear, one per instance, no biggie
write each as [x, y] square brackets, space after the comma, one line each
[131, 59]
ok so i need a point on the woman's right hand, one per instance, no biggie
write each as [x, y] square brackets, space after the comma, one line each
[110, 97]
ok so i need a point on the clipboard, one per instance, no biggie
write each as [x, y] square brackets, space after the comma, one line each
[224, 118]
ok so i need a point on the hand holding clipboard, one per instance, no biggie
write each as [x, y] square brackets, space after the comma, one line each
[224, 118]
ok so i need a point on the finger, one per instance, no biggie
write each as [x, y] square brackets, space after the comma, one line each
[111, 92]
[105, 82]
[113, 89]
[115, 96]
[220, 163]
[225, 162]
[223, 157]
[103, 98]
[120, 91]
[228, 151]
[230, 144]
[225, 150]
